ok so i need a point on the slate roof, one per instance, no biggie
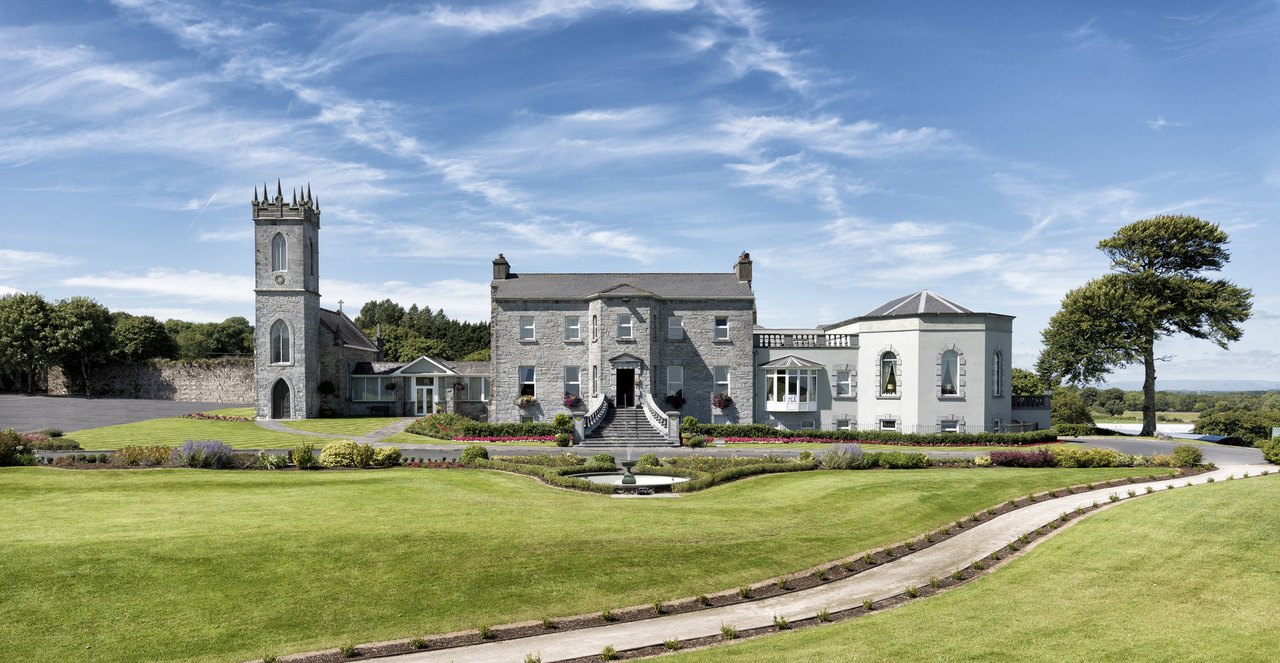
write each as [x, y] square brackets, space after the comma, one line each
[345, 330]
[466, 368]
[721, 285]
[469, 367]
[377, 367]
[915, 304]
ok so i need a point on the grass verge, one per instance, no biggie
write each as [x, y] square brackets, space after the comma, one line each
[1187, 575]
[173, 431]
[216, 566]
[350, 427]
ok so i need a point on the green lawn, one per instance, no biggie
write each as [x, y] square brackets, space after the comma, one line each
[176, 430]
[1135, 416]
[1188, 575]
[223, 566]
[352, 427]
[234, 412]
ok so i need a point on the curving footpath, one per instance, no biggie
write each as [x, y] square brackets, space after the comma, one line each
[881, 582]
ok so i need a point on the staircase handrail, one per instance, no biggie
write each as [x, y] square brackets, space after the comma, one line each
[596, 413]
[657, 418]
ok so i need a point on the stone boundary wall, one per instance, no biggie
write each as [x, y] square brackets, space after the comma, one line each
[218, 381]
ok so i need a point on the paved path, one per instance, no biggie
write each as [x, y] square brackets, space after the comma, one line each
[71, 413]
[877, 583]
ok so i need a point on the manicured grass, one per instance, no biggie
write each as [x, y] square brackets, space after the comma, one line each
[173, 431]
[1188, 575]
[422, 440]
[1135, 417]
[353, 426]
[221, 566]
[234, 412]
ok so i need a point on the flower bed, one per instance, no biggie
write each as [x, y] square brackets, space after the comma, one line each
[509, 438]
[899, 443]
[205, 416]
[769, 435]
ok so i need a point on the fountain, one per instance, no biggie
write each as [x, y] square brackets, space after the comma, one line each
[628, 479]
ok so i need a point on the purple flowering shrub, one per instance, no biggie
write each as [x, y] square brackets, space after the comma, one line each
[205, 454]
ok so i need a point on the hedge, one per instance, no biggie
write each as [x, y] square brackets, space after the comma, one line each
[882, 437]
[550, 475]
[448, 426]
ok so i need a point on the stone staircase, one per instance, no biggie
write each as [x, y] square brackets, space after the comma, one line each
[624, 427]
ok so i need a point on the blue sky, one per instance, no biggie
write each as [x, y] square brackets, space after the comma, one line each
[859, 151]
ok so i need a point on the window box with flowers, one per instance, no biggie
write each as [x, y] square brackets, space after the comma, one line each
[572, 400]
[526, 401]
[721, 400]
[676, 400]
[459, 386]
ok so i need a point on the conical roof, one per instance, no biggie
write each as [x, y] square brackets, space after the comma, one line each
[915, 304]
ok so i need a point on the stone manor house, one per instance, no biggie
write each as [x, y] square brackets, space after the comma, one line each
[627, 354]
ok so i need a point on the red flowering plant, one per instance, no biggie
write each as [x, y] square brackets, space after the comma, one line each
[572, 400]
[721, 400]
[205, 416]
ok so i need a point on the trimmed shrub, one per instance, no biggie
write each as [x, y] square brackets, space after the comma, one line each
[387, 456]
[767, 433]
[1075, 430]
[1031, 458]
[143, 456]
[1187, 455]
[649, 460]
[805, 455]
[364, 455]
[842, 457]
[450, 426]
[273, 461]
[303, 455]
[563, 423]
[603, 459]
[1065, 457]
[695, 441]
[897, 460]
[340, 454]
[982, 461]
[564, 439]
[204, 454]
[1271, 451]
[474, 453]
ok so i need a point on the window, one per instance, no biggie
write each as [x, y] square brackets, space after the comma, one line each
[573, 380]
[526, 328]
[950, 371]
[595, 380]
[806, 424]
[675, 328]
[314, 256]
[949, 426]
[593, 328]
[721, 376]
[280, 350]
[719, 419]
[279, 258]
[722, 328]
[888, 374]
[888, 424]
[792, 386]
[843, 424]
[572, 329]
[675, 380]
[372, 388]
[624, 325]
[527, 383]
[997, 375]
[844, 383]
[474, 388]
[527, 419]
[995, 426]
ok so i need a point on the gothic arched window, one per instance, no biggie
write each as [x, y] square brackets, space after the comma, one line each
[279, 259]
[280, 351]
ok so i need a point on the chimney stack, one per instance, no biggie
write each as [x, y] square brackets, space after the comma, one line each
[743, 268]
[501, 268]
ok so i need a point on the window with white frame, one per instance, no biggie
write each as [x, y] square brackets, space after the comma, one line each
[280, 349]
[997, 373]
[949, 426]
[279, 256]
[474, 388]
[719, 418]
[675, 328]
[371, 388]
[675, 380]
[888, 424]
[573, 380]
[844, 383]
[791, 385]
[888, 374]
[950, 373]
[572, 328]
[528, 385]
[720, 375]
[843, 424]
[624, 325]
[721, 328]
[526, 328]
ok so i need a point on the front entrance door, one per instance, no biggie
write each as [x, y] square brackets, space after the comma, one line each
[626, 396]
[424, 399]
[280, 400]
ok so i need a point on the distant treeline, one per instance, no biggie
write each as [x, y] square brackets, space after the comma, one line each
[416, 332]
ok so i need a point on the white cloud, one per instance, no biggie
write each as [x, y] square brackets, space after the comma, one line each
[165, 282]
[13, 261]
[863, 139]
[797, 174]
[163, 313]
[1159, 124]
[1047, 205]
[6, 290]
[227, 235]
[745, 48]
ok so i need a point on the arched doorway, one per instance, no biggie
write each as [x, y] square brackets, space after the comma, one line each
[280, 400]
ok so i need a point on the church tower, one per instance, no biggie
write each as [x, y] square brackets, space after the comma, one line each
[286, 333]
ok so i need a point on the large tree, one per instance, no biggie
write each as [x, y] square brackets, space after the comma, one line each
[1156, 289]
[25, 319]
[80, 336]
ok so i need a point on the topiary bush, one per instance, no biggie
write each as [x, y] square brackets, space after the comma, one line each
[473, 453]
[649, 460]
[1187, 455]
[345, 453]
[564, 439]
[387, 456]
[695, 441]
[304, 456]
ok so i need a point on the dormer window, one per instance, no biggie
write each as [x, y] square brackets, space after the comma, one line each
[279, 258]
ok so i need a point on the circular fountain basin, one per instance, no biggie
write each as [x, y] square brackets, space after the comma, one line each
[641, 479]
